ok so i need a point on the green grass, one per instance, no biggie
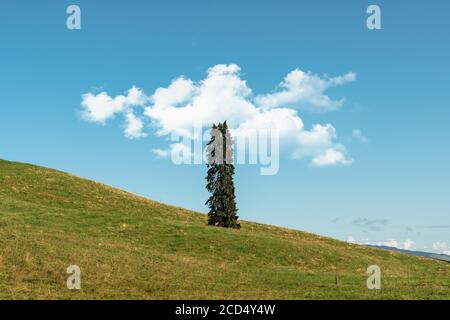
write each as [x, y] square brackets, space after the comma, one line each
[131, 247]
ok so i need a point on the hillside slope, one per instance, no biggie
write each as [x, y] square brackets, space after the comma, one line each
[131, 247]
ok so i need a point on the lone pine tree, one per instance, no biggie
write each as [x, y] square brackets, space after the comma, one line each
[222, 202]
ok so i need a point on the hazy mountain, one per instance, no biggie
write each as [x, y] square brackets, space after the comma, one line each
[431, 255]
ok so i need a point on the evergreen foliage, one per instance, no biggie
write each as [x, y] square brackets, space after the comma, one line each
[222, 202]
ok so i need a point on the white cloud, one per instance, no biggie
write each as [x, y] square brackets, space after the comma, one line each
[389, 243]
[362, 241]
[440, 246]
[134, 126]
[223, 95]
[305, 90]
[161, 153]
[101, 107]
[447, 253]
[358, 135]
[409, 244]
[330, 157]
[365, 241]
[179, 91]
[291, 130]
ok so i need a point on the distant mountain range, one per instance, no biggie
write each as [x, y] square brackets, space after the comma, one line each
[436, 256]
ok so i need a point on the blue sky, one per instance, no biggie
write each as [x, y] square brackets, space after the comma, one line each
[395, 190]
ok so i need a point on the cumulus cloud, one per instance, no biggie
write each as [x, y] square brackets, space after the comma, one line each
[134, 126]
[301, 89]
[351, 239]
[223, 95]
[161, 153]
[362, 241]
[101, 107]
[330, 157]
[389, 243]
[406, 245]
[409, 244]
[440, 246]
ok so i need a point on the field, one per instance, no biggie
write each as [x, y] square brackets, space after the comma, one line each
[129, 247]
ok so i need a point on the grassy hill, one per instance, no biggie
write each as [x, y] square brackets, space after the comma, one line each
[131, 247]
